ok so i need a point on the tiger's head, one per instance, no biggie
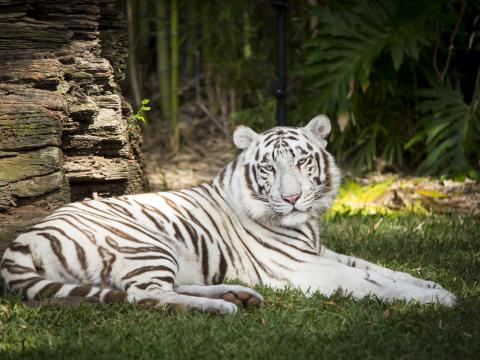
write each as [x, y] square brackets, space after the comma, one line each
[284, 175]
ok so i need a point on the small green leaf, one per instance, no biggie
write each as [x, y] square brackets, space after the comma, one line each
[397, 56]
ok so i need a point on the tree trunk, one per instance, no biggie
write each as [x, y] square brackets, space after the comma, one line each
[63, 121]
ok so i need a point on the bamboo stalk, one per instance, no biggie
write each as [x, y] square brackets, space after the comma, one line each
[132, 61]
[207, 56]
[163, 75]
[175, 135]
[144, 32]
[144, 29]
[191, 41]
[247, 47]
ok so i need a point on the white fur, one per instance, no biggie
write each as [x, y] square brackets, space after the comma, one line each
[243, 137]
[319, 126]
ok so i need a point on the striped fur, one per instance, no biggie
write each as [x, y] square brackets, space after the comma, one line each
[255, 222]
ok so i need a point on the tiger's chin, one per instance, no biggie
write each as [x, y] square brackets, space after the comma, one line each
[294, 218]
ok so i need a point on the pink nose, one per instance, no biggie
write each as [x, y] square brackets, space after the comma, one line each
[292, 199]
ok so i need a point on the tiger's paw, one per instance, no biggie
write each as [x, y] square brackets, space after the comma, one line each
[239, 295]
[209, 306]
[438, 296]
[216, 307]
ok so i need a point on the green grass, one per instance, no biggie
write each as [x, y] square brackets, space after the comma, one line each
[443, 249]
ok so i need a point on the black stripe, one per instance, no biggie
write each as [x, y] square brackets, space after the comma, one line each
[319, 167]
[140, 249]
[211, 196]
[271, 247]
[205, 269]
[222, 266]
[24, 249]
[80, 252]
[221, 176]
[191, 231]
[120, 233]
[153, 209]
[178, 234]
[57, 250]
[97, 212]
[233, 167]
[48, 290]
[193, 202]
[326, 170]
[118, 208]
[155, 222]
[145, 269]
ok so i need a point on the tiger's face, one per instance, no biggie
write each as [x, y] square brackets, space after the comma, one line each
[288, 175]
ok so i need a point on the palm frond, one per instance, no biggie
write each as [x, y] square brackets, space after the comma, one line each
[450, 130]
[348, 43]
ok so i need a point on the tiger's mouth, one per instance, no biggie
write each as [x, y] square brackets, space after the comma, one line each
[296, 210]
[293, 210]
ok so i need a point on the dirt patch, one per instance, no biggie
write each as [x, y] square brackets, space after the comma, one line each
[204, 152]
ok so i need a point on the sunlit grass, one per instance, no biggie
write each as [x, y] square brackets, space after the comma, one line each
[440, 248]
[391, 196]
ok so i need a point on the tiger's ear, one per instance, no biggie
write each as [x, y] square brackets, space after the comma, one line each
[243, 136]
[319, 126]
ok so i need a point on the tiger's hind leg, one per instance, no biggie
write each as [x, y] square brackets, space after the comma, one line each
[232, 293]
[165, 296]
[152, 284]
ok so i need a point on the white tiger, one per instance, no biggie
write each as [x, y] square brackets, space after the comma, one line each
[257, 222]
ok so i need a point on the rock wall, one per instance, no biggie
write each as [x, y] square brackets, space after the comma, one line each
[63, 122]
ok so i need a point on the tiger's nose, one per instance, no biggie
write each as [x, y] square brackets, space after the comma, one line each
[292, 199]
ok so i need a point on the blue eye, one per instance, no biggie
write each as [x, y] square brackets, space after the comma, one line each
[268, 168]
[302, 161]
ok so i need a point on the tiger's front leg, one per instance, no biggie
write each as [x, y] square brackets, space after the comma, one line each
[232, 293]
[366, 265]
[329, 276]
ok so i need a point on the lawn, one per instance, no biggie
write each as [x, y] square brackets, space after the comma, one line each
[440, 248]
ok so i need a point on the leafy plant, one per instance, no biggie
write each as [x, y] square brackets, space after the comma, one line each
[450, 129]
[261, 116]
[372, 61]
[140, 116]
[352, 35]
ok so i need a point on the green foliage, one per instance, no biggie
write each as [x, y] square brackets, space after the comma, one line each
[235, 59]
[289, 326]
[260, 116]
[352, 36]
[140, 117]
[372, 61]
[450, 129]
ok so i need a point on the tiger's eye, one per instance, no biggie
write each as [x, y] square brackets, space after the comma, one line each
[268, 167]
[302, 161]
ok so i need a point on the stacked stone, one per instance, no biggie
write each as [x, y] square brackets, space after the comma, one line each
[63, 123]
